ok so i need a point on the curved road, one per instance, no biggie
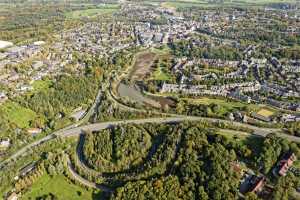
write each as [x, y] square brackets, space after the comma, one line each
[75, 131]
[84, 181]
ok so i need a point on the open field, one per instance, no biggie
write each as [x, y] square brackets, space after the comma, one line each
[161, 50]
[205, 4]
[142, 65]
[92, 12]
[174, 5]
[226, 105]
[231, 134]
[265, 112]
[58, 186]
[229, 104]
[17, 114]
[160, 74]
[221, 102]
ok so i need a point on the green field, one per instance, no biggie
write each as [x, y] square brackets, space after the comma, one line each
[173, 5]
[221, 102]
[232, 134]
[204, 4]
[226, 105]
[297, 164]
[161, 50]
[58, 186]
[17, 114]
[160, 74]
[107, 9]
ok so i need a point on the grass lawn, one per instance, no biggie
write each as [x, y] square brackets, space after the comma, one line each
[58, 186]
[231, 134]
[161, 50]
[297, 164]
[221, 102]
[92, 12]
[230, 104]
[17, 114]
[159, 74]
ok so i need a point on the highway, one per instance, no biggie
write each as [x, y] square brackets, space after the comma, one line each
[83, 120]
[75, 131]
[77, 128]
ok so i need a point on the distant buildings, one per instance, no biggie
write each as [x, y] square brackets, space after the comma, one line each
[234, 90]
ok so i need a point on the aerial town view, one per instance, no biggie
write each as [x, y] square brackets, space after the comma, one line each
[149, 99]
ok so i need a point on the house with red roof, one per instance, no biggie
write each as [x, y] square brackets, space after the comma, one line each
[285, 163]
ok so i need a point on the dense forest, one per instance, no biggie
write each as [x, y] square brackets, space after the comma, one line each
[183, 161]
[117, 148]
[66, 94]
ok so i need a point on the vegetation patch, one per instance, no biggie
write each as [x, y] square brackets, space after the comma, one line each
[92, 12]
[58, 186]
[17, 114]
[66, 94]
[161, 74]
[114, 149]
[221, 102]
[142, 64]
[161, 50]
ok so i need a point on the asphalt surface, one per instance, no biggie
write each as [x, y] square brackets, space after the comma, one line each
[75, 131]
[84, 181]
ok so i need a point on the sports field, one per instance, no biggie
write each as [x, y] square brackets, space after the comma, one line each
[265, 112]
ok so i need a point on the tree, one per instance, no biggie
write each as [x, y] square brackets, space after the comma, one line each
[284, 187]
[251, 196]
[202, 194]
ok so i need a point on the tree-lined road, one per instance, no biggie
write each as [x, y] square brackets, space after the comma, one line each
[75, 131]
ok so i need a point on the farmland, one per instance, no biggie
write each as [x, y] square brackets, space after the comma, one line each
[109, 9]
[207, 4]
